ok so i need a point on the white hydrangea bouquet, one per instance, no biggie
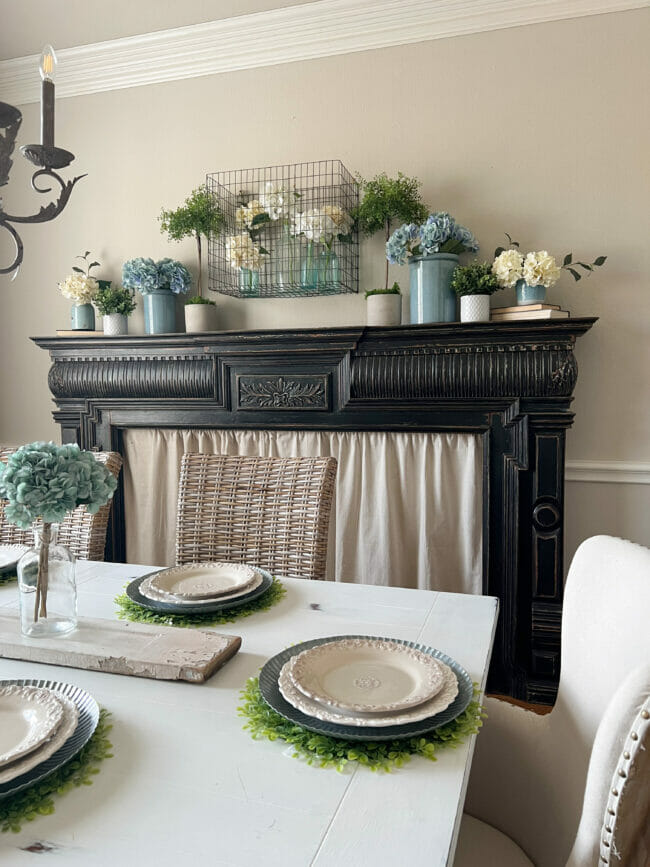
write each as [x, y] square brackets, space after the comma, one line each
[539, 268]
[80, 287]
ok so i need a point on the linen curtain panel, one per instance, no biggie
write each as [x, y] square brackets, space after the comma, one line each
[407, 510]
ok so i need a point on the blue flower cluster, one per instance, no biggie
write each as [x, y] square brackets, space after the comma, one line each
[404, 241]
[145, 275]
[440, 234]
[43, 480]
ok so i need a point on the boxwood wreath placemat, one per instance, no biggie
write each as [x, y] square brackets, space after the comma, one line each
[38, 800]
[130, 610]
[327, 752]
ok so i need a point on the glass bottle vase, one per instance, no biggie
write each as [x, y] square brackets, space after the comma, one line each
[46, 584]
[249, 283]
[328, 272]
[309, 268]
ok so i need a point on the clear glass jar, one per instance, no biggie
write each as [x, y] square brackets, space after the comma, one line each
[309, 267]
[47, 588]
[328, 271]
[249, 283]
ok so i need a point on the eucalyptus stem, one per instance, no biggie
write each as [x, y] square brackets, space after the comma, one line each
[40, 602]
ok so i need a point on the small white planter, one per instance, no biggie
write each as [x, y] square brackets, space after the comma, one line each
[475, 308]
[115, 323]
[200, 317]
[384, 309]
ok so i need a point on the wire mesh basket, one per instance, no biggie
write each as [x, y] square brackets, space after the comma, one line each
[288, 231]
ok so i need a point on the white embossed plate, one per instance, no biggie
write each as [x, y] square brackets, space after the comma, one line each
[203, 580]
[151, 592]
[28, 717]
[61, 734]
[441, 701]
[366, 675]
[10, 555]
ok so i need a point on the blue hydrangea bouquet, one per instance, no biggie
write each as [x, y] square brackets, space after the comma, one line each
[145, 276]
[439, 234]
[43, 482]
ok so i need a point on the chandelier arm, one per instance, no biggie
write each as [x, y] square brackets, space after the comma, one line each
[4, 224]
[53, 209]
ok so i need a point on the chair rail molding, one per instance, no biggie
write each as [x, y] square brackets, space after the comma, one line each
[619, 472]
[304, 32]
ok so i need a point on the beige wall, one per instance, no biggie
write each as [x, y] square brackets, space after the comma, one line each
[540, 131]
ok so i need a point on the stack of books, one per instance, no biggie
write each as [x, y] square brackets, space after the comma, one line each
[79, 333]
[528, 311]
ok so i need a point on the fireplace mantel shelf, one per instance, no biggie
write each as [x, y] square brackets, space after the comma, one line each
[509, 382]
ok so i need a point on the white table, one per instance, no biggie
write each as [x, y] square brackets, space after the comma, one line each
[187, 786]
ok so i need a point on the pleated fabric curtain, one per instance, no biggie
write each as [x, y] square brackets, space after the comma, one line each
[407, 510]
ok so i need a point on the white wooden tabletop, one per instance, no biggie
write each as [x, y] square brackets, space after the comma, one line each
[187, 786]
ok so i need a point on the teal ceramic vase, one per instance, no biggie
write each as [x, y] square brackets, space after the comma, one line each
[82, 317]
[159, 312]
[432, 298]
[530, 294]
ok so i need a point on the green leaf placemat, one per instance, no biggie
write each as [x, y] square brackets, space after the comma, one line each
[130, 610]
[325, 752]
[7, 578]
[38, 800]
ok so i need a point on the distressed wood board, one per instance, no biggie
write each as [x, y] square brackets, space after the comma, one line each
[117, 647]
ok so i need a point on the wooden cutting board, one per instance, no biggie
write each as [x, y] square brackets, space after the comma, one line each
[120, 647]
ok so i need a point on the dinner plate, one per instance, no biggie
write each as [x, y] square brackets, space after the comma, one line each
[10, 555]
[28, 717]
[88, 717]
[271, 694]
[442, 699]
[203, 580]
[133, 592]
[366, 675]
[146, 589]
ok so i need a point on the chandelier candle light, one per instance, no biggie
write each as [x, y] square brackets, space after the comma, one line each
[45, 156]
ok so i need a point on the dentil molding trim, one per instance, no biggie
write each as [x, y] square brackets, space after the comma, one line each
[311, 30]
[627, 472]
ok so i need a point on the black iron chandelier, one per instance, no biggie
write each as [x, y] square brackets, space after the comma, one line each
[44, 155]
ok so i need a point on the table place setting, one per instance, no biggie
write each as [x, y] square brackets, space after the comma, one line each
[362, 698]
[199, 594]
[52, 737]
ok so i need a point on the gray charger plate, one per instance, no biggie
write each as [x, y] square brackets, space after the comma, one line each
[86, 725]
[133, 592]
[272, 696]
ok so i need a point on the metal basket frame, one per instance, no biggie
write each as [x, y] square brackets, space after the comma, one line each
[277, 261]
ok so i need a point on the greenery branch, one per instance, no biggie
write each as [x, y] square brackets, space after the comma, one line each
[198, 216]
[386, 200]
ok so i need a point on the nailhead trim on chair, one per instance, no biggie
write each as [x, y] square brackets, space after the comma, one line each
[640, 724]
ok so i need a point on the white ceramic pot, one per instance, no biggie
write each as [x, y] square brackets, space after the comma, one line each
[384, 309]
[115, 323]
[474, 308]
[200, 317]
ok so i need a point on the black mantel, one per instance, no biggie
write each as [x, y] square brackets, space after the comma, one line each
[510, 382]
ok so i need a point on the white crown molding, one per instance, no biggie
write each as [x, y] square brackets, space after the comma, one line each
[311, 30]
[626, 472]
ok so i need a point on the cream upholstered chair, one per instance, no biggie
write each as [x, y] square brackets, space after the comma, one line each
[84, 534]
[573, 787]
[268, 512]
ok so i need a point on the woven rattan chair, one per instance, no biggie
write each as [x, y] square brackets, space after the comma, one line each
[82, 533]
[268, 512]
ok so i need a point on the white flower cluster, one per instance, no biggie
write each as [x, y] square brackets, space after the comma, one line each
[541, 269]
[273, 199]
[508, 268]
[241, 252]
[537, 269]
[322, 224]
[79, 288]
[245, 214]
